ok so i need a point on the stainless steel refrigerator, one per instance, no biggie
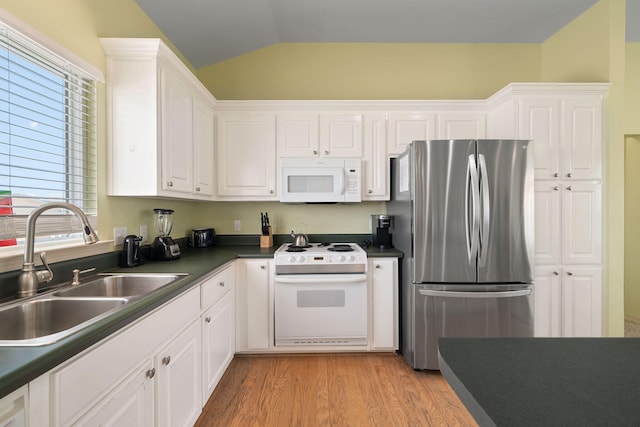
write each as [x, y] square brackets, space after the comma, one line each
[464, 218]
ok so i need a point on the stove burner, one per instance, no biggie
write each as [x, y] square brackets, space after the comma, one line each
[341, 248]
[292, 248]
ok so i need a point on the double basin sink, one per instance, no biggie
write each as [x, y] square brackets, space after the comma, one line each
[48, 318]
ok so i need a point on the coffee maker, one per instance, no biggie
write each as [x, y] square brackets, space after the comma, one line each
[381, 231]
[163, 246]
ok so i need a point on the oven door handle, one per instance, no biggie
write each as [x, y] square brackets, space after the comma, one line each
[322, 278]
[479, 294]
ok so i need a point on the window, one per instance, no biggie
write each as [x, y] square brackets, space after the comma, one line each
[47, 139]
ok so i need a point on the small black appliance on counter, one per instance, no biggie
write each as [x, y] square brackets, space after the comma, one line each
[201, 237]
[163, 246]
[130, 255]
[381, 231]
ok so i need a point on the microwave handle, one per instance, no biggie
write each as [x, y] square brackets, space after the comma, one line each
[341, 180]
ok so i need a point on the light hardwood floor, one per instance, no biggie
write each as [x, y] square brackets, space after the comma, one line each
[331, 390]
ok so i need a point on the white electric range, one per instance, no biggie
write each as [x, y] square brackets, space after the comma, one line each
[321, 295]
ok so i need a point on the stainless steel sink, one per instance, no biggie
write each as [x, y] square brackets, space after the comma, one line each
[44, 321]
[120, 285]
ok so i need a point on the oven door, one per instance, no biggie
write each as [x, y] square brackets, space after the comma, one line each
[321, 309]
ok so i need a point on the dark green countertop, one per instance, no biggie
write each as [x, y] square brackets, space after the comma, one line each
[19, 365]
[545, 381]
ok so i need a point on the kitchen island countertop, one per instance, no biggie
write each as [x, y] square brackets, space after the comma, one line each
[545, 381]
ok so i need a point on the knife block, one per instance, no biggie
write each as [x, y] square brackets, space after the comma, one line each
[266, 241]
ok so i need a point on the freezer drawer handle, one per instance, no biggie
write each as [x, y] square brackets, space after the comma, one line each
[477, 295]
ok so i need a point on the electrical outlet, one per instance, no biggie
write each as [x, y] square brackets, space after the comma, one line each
[143, 233]
[119, 233]
[237, 225]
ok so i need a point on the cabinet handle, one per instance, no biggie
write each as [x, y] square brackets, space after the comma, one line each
[166, 360]
[197, 188]
[556, 273]
[556, 188]
[555, 175]
[569, 273]
[378, 266]
[315, 151]
[151, 373]
[170, 184]
[326, 152]
[370, 191]
[221, 284]
[270, 191]
[207, 319]
[569, 188]
[262, 267]
[569, 175]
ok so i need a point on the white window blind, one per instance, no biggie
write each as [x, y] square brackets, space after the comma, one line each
[47, 139]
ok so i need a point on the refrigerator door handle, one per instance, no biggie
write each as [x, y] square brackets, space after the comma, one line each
[477, 295]
[486, 214]
[472, 190]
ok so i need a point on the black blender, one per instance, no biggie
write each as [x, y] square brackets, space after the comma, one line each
[163, 246]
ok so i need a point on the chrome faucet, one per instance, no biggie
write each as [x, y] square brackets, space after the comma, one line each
[30, 278]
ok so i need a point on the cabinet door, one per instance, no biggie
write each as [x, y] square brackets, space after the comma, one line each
[547, 297]
[582, 302]
[13, 408]
[218, 342]
[341, 135]
[547, 222]
[130, 404]
[298, 135]
[203, 155]
[582, 139]
[179, 379]
[407, 127]
[384, 303]
[177, 134]
[376, 161]
[581, 223]
[461, 125]
[539, 121]
[247, 156]
[253, 306]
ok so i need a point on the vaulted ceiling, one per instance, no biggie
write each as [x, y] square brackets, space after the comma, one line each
[209, 31]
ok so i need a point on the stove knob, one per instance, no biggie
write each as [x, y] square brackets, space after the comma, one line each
[300, 259]
[291, 259]
[341, 258]
[351, 258]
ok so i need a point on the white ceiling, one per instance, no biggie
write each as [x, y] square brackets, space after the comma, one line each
[209, 31]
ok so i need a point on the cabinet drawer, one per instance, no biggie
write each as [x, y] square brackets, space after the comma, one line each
[80, 383]
[216, 286]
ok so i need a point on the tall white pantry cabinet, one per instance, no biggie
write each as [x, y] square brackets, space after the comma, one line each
[565, 121]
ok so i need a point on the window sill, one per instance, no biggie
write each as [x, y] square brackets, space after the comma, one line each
[12, 259]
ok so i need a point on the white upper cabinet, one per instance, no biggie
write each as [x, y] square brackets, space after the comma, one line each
[160, 123]
[462, 125]
[375, 160]
[246, 156]
[406, 127]
[539, 121]
[319, 135]
[582, 138]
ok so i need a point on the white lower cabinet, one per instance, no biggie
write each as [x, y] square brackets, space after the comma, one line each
[253, 305]
[130, 404]
[383, 274]
[13, 408]
[178, 379]
[218, 334]
[568, 301]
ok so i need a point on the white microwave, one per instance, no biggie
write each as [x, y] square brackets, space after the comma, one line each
[304, 180]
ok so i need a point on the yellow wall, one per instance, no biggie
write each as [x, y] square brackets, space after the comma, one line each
[592, 48]
[632, 90]
[632, 227]
[372, 71]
